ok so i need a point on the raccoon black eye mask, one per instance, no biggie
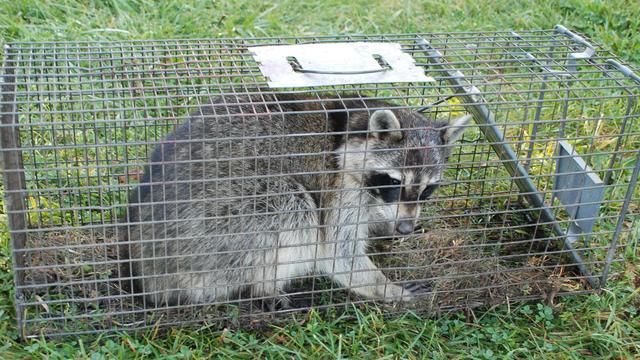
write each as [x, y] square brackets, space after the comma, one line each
[383, 185]
[391, 189]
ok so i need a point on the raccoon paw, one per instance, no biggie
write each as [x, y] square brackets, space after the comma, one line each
[395, 293]
[417, 288]
[276, 303]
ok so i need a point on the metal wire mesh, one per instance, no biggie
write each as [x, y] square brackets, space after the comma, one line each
[81, 120]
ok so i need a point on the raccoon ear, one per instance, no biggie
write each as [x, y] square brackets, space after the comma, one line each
[384, 123]
[452, 132]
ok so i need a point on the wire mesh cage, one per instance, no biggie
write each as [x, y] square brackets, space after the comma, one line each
[157, 183]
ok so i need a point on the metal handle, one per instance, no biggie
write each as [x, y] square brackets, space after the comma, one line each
[295, 65]
[625, 70]
[573, 57]
[559, 29]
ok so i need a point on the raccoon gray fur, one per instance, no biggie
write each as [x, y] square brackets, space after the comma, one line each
[254, 191]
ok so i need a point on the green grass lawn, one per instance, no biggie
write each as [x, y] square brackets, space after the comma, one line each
[606, 325]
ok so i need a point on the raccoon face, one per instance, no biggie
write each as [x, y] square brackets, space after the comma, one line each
[401, 163]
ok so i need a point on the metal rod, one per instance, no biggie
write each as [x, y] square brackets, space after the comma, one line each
[631, 103]
[623, 213]
[14, 180]
[559, 29]
[482, 114]
[632, 185]
[573, 58]
[625, 70]
[539, 102]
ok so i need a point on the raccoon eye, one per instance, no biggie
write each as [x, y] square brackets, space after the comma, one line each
[384, 186]
[428, 191]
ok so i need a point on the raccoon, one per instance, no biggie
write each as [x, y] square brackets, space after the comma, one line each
[253, 191]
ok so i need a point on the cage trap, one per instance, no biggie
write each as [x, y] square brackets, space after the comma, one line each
[538, 197]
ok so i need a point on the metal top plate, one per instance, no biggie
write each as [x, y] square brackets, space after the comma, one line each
[275, 65]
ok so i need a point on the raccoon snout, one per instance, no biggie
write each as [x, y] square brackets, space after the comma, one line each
[404, 227]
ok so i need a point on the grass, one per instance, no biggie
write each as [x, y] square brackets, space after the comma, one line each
[599, 326]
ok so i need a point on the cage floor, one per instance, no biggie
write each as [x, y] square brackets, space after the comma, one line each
[462, 270]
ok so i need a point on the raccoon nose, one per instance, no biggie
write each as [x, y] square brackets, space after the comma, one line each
[404, 227]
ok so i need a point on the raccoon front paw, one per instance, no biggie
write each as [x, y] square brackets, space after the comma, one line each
[395, 293]
[276, 303]
[417, 288]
